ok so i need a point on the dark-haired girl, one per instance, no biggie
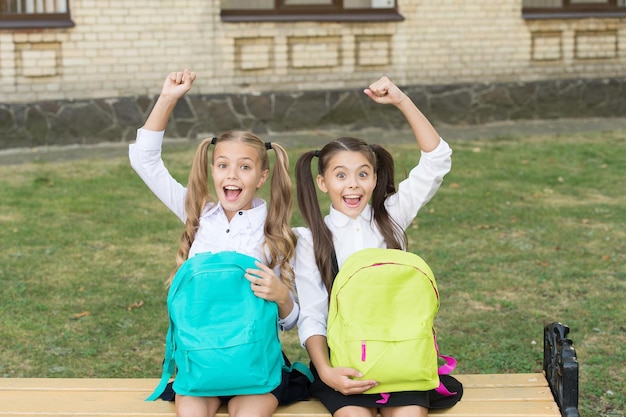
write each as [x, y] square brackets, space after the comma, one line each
[366, 212]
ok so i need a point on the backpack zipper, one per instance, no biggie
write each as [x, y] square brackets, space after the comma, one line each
[363, 351]
[187, 362]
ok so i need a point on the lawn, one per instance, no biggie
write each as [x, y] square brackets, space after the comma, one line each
[524, 231]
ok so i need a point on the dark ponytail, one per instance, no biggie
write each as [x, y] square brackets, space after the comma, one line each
[309, 206]
[394, 235]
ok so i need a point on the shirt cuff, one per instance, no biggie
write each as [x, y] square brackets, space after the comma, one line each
[149, 140]
[442, 148]
[306, 331]
[291, 320]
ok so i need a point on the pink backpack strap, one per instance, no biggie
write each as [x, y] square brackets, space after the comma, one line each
[441, 389]
[445, 369]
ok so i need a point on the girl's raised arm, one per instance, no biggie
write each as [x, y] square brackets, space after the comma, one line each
[383, 91]
[176, 85]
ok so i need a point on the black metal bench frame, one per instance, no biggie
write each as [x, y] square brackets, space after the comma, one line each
[561, 368]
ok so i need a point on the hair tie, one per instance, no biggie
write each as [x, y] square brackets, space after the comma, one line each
[268, 145]
[214, 140]
[316, 153]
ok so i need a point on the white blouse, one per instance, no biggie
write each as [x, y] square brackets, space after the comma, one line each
[351, 235]
[243, 234]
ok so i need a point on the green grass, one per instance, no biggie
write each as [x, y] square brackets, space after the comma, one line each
[524, 231]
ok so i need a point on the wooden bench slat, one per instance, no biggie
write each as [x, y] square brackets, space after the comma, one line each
[508, 394]
[462, 409]
[500, 409]
[471, 394]
[80, 384]
[503, 395]
[503, 380]
[112, 404]
[148, 384]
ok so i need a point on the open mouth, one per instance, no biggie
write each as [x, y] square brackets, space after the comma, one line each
[352, 201]
[231, 193]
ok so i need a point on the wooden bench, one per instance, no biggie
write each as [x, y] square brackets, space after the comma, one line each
[485, 395]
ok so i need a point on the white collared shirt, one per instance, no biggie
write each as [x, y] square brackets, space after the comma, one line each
[243, 234]
[351, 235]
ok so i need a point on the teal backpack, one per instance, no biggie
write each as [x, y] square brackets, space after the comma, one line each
[222, 339]
[381, 321]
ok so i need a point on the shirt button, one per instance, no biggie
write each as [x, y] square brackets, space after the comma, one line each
[240, 213]
[227, 230]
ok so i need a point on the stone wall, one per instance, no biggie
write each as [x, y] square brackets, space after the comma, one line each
[116, 119]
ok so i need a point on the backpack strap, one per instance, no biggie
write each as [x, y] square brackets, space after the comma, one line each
[169, 366]
[300, 367]
[445, 369]
[441, 389]
[449, 366]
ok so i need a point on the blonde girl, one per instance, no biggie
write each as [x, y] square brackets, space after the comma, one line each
[234, 220]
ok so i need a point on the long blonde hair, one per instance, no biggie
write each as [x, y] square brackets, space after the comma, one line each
[280, 239]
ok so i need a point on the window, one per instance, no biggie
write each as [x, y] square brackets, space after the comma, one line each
[537, 9]
[312, 10]
[34, 14]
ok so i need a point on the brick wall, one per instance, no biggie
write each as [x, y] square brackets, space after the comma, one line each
[119, 49]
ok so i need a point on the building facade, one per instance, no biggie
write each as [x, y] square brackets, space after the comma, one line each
[76, 71]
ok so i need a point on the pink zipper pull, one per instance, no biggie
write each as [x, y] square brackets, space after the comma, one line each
[384, 397]
[363, 351]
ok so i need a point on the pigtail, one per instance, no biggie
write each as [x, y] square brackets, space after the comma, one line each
[394, 235]
[310, 209]
[279, 237]
[195, 200]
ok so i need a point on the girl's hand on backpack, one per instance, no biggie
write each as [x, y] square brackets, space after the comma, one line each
[342, 380]
[266, 285]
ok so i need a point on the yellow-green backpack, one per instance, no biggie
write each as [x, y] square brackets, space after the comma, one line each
[381, 320]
